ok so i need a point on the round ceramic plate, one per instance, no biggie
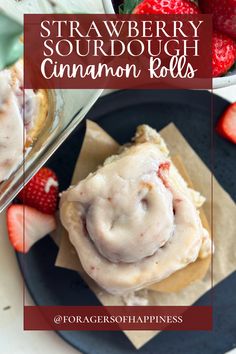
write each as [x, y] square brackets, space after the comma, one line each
[119, 114]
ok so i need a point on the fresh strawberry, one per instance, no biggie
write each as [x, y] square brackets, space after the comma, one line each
[41, 192]
[27, 225]
[148, 7]
[226, 125]
[224, 14]
[223, 54]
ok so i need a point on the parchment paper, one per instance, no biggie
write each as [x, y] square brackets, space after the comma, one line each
[100, 145]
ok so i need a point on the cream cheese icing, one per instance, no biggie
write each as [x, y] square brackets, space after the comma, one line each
[11, 128]
[134, 221]
[14, 123]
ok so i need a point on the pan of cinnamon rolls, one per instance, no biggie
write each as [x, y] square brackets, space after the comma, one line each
[23, 115]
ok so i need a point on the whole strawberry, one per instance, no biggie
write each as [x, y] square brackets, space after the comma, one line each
[148, 7]
[224, 14]
[226, 125]
[41, 192]
[223, 54]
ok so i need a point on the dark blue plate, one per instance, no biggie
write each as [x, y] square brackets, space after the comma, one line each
[119, 114]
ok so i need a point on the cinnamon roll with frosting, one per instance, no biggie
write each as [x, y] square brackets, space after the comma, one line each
[134, 222]
[20, 124]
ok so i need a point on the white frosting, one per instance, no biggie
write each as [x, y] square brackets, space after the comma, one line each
[207, 246]
[122, 225]
[12, 128]
[128, 207]
[132, 299]
[50, 183]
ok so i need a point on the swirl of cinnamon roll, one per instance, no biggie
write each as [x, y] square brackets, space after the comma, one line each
[131, 222]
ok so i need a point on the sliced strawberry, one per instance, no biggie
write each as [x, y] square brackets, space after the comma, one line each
[226, 125]
[27, 225]
[41, 192]
[148, 7]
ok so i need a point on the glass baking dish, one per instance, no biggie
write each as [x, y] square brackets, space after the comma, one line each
[66, 110]
[66, 107]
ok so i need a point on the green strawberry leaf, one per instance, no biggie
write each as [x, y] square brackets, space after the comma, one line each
[128, 6]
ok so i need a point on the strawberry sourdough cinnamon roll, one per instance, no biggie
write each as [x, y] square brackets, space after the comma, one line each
[20, 124]
[134, 222]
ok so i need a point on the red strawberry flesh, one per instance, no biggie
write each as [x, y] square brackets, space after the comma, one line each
[27, 225]
[163, 172]
[226, 125]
